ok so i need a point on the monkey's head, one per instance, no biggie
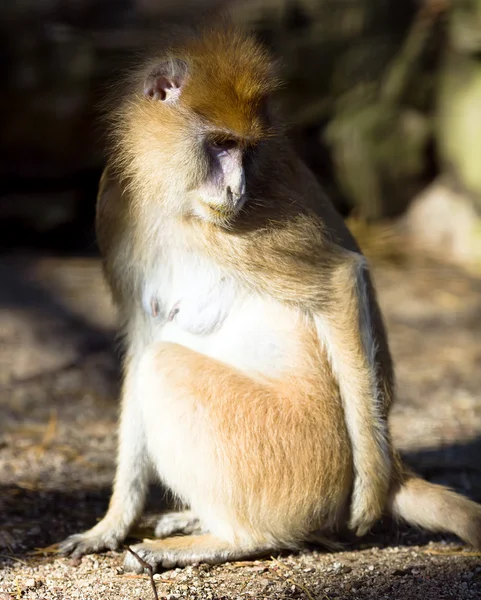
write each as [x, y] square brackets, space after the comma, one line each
[191, 135]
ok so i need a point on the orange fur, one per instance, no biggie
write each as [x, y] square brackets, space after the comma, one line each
[230, 103]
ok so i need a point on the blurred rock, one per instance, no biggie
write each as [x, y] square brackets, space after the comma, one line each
[442, 221]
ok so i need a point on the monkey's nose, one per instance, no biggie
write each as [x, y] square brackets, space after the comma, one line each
[236, 200]
[236, 193]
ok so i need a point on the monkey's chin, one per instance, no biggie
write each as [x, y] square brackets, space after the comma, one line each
[217, 215]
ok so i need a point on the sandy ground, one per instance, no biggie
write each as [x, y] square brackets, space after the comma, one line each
[58, 387]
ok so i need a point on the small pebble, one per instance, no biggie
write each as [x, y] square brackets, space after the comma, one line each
[259, 569]
[75, 562]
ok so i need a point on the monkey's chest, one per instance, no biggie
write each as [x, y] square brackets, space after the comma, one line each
[189, 299]
[210, 313]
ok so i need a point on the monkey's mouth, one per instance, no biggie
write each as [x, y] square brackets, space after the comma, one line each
[221, 212]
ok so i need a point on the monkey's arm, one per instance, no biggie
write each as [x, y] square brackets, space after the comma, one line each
[131, 481]
[113, 232]
[349, 331]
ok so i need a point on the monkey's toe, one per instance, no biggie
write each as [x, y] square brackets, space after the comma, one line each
[184, 522]
[84, 543]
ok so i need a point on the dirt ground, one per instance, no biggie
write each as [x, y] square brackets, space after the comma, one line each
[58, 386]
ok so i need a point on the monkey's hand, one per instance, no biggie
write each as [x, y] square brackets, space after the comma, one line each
[103, 536]
[366, 504]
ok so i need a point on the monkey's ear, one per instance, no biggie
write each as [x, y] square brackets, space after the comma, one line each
[165, 80]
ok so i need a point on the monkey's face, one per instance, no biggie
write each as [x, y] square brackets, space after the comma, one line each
[220, 192]
[199, 124]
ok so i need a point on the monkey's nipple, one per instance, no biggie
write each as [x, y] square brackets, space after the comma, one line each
[173, 312]
[154, 307]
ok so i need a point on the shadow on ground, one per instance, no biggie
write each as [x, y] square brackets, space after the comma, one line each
[42, 518]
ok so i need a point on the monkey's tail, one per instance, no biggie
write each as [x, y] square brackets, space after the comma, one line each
[436, 508]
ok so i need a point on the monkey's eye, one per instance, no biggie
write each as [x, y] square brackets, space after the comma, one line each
[222, 145]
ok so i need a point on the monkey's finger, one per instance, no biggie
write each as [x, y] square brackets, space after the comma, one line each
[80, 544]
[362, 530]
[361, 525]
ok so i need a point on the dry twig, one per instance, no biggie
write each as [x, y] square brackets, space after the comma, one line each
[149, 568]
[452, 552]
[15, 559]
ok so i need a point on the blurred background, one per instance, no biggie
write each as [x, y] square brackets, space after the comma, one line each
[384, 103]
[383, 97]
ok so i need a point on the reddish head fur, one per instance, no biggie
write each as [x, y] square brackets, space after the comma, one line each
[230, 79]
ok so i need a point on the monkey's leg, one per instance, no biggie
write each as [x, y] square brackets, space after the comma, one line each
[184, 522]
[248, 456]
[182, 551]
[131, 482]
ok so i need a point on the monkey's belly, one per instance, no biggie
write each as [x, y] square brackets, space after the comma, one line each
[250, 459]
[256, 335]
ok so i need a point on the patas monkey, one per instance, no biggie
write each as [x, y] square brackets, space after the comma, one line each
[258, 378]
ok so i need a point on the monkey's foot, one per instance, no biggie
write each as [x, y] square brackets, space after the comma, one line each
[182, 551]
[90, 542]
[184, 522]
